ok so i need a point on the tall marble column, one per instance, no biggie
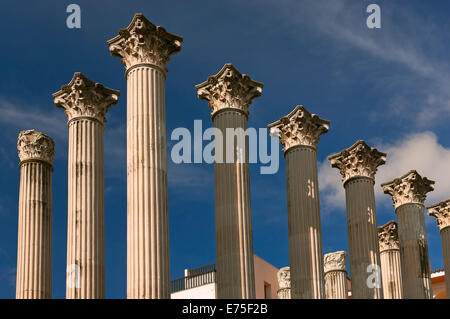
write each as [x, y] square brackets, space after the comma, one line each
[391, 269]
[85, 103]
[335, 268]
[358, 165]
[284, 283]
[34, 248]
[408, 194]
[299, 133]
[441, 211]
[145, 49]
[229, 94]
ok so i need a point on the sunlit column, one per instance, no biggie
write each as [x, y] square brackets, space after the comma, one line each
[299, 133]
[85, 103]
[229, 94]
[441, 211]
[145, 49]
[408, 193]
[358, 165]
[335, 268]
[391, 269]
[34, 248]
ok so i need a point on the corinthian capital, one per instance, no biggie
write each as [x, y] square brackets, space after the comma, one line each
[336, 261]
[85, 98]
[143, 42]
[388, 236]
[34, 145]
[299, 128]
[229, 89]
[441, 211]
[409, 188]
[284, 277]
[359, 160]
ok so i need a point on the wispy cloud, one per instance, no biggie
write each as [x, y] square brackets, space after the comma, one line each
[420, 151]
[421, 96]
[15, 115]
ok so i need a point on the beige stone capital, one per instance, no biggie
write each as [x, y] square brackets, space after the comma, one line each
[143, 42]
[34, 145]
[359, 160]
[284, 277]
[229, 89]
[299, 128]
[388, 236]
[441, 211]
[82, 97]
[410, 188]
[336, 261]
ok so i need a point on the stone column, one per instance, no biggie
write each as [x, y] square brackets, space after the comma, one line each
[299, 133]
[358, 165]
[284, 283]
[34, 248]
[85, 103]
[391, 269]
[335, 268]
[229, 95]
[408, 194]
[145, 49]
[441, 211]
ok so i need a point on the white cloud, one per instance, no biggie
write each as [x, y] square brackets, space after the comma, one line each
[420, 151]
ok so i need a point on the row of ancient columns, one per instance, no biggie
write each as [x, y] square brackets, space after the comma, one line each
[381, 260]
[145, 49]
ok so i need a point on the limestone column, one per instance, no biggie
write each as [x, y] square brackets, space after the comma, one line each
[145, 49]
[34, 248]
[85, 103]
[284, 283]
[408, 194]
[358, 165]
[229, 95]
[299, 133]
[391, 269]
[335, 268]
[441, 211]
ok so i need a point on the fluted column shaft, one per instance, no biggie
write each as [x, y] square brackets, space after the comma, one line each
[414, 251]
[336, 284]
[234, 236]
[362, 236]
[445, 236]
[34, 254]
[304, 227]
[148, 263]
[86, 230]
[391, 273]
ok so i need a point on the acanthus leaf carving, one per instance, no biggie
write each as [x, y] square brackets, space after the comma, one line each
[408, 189]
[34, 145]
[284, 278]
[299, 128]
[85, 98]
[143, 42]
[441, 211]
[359, 160]
[229, 89]
[388, 236]
[336, 261]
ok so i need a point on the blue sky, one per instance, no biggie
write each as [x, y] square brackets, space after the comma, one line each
[387, 86]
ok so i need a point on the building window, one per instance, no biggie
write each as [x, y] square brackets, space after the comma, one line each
[267, 291]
